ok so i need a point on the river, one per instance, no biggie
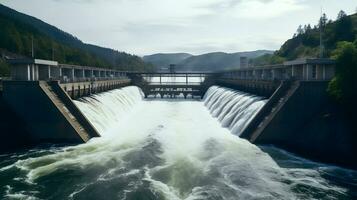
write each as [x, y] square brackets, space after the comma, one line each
[170, 149]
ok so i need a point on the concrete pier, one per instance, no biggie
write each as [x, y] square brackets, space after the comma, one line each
[40, 94]
[48, 112]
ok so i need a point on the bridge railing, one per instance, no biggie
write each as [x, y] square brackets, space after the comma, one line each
[177, 78]
[65, 79]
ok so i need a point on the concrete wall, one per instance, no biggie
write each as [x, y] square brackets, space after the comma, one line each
[43, 120]
[20, 72]
[307, 124]
[81, 89]
[46, 113]
[13, 131]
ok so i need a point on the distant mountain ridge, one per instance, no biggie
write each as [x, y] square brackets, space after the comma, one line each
[16, 27]
[165, 59]
[205, 62]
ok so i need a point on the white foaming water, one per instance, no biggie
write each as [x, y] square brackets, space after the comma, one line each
[163, 150]
[232, 108]
[107, 110]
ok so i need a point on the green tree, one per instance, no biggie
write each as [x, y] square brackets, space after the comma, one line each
[300, 30]
[4, 69]
[323, 20]
[344, 28]
[341, 15]
[344, 86]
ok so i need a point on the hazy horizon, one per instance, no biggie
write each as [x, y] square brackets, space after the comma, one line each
[145, 27]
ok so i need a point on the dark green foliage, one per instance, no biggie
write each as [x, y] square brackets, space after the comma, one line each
[344, 29]
[344, 86]
[4, 68]
[306, 42]
[17, 31]
[16, 37]
[267, 59]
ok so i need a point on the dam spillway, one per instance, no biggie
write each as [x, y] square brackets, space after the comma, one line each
[169, 149]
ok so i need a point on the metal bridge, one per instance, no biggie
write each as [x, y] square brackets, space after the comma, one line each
[172, 85]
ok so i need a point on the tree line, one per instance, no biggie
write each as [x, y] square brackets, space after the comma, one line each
[19, 38]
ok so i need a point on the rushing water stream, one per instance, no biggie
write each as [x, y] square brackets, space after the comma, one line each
[170, 149]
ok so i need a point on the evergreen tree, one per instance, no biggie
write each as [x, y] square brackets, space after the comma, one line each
[308, 28]
[323, 20]
[341, 15]
[300, 30]
[344, 28]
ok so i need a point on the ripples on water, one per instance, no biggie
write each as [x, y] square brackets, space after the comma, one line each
[170, 150]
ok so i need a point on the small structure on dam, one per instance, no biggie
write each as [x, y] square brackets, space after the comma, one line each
[173, 84]
[41, 92]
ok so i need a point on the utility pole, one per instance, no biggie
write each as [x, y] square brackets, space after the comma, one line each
[53, 52]
[113, 54]
[32, 48]
[321, 32]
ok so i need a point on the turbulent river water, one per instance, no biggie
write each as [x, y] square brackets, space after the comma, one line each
[169, 149]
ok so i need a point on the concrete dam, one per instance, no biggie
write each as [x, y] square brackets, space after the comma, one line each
[166, 135]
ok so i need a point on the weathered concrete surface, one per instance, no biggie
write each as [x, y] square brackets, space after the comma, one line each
[13, 131]
[47, 118]
[81, 89]
[266, 113]
[307, 122]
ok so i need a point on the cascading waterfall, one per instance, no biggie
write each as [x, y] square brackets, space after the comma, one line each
[172, 150]
[106, 110]
[232, 108]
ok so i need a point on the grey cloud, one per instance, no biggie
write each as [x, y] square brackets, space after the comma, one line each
[223, 5]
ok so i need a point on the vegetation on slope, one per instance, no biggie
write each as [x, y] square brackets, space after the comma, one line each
[217, 61]
[344, 86]
[18, 31]
[339, 39]
[4, 68]
[162, 60]
[306, 41]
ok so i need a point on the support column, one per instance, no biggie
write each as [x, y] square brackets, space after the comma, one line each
[72, 75]
[308, 72]
[49, 72]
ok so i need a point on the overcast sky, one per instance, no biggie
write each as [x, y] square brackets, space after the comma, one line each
[145, 27]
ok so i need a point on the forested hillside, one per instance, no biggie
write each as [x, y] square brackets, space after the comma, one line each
[306, 41]
[162, 60]
[205, 62]
[219, 60]
[18, 31]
